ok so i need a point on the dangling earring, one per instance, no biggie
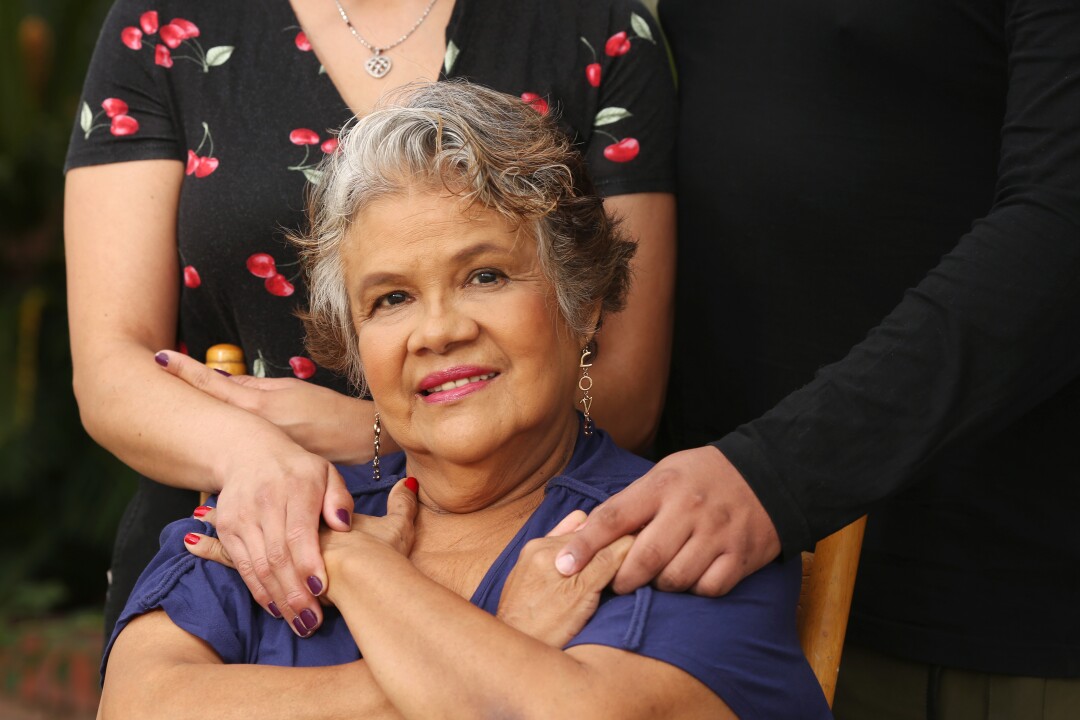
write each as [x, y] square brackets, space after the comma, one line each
[376, 475]
[585, 385]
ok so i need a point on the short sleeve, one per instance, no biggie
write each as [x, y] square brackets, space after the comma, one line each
[203, 598]
[631, 145]
[126, 110]
[743, 646]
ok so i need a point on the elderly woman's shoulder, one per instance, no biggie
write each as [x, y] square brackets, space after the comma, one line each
[599, 468]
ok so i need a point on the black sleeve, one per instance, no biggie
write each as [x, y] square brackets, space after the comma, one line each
[126, 112]
[989, 334]
[631, 146]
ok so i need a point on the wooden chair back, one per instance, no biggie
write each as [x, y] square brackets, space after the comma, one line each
[825, 601]
[229, 358]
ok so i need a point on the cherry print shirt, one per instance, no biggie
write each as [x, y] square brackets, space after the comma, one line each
[233, 91]
[743, 646]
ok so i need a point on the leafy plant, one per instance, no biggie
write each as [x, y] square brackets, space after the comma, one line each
[62, 495]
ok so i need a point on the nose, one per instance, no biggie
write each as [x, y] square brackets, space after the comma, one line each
[442, 324]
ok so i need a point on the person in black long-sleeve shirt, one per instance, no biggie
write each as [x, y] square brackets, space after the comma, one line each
[879, 310]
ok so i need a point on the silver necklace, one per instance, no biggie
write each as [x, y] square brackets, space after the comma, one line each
[378, 65]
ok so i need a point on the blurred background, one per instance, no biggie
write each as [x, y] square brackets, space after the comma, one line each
[60, 494]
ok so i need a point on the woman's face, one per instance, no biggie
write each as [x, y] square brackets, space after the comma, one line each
[462, 344]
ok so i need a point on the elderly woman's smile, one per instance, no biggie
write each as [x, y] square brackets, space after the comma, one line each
[461, 339]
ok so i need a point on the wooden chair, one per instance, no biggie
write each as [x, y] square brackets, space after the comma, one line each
[825, 601]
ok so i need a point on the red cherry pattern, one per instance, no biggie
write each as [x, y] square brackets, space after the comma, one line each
[592, 74]
[123, 125]
[202, 165]
[206, 166]
[302, 367]
[302, 42]
[277, 284]
[114, 107]
[623, 151]
[303, 136]
[330, 145]
[172, 35]
[132, 37]
[191, 277]
[148, 21]
[536, 102]
[618, 44]
[262, 265]
[162, 56]
[188, 28]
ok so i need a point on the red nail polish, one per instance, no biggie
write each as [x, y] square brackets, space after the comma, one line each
[201, 510]
[192, 539]
[412, 484]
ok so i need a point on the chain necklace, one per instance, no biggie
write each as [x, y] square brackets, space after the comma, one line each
[378, 65]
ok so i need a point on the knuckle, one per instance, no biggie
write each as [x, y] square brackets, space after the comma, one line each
[277, 557]
[296, 535]
[649, 556]
[296, 598]
[673, 581]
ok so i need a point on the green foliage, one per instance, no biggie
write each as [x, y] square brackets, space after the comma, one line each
[62, 495]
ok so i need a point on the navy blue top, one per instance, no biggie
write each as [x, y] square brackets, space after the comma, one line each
[744, 646]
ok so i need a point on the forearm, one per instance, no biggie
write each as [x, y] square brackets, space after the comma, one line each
[240, 692]
[156, 423]
[436, 655]
[634, 346]
[989, 335]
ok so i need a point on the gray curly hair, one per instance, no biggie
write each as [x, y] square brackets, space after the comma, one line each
[487, 148]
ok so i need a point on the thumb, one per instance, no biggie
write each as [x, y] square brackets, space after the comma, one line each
[208, 548]
[403, 499]
[568, 524]
[622, 514]
[602, 568]
[338, 504]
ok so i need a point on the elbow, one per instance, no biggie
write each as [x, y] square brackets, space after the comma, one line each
[83, 391]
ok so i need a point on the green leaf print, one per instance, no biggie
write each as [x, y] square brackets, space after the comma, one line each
[641, 27]
[610, 115]
[219, 55]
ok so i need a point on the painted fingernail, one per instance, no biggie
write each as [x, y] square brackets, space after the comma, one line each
[191, 539]
[344, 516]
[223, 372]
[412, 484]
[201, 510]
[272, 607]
[314, 585]
[299, 625]
[162, 359]
[308, 619]
[565, 564]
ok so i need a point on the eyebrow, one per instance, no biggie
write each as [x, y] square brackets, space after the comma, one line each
[378, 278]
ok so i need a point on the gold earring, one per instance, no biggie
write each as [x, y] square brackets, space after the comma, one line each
[585, 385]
[376, 475]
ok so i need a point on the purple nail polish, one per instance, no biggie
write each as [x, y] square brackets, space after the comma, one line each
[308, 619]
[272, 607]
[299, 625]
[344, 516]
[223, 372]
[314, 585]
[162, 359]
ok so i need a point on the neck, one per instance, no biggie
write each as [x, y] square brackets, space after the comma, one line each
[503, 483]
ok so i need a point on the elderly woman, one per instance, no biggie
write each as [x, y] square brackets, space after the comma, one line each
[460, 264]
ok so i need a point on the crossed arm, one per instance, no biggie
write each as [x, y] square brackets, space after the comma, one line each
[427, 651]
